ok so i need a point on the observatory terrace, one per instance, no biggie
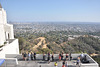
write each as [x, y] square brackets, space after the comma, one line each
[16, 60]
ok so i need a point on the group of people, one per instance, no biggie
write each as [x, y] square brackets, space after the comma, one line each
[48, 56]
[61, 56]
[64, 64]
[68, 56]
[29, 56]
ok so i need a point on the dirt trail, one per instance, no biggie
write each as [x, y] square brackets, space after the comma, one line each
[94, 54]
[45, 45]
[42, 40]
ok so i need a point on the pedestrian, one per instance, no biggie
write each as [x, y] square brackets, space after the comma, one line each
[55, 64]
[43, 56]
[78, 62]
[63, 63]
[66, 56]
[70, 57]
[62, 56]
[48, 56]
[25, 56]
[52, 56]
[34, 56]
[59, 57]
[29, 56]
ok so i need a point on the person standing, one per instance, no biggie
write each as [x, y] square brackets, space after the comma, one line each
[55, 64]
[70, 57]
[62, 56]
[63, 63]
[49, 57]
[31, 56]
[66, 57]
[43, 56]
[25, 56]
[78, 62]
[34, 56]
[52, 56]
[59, 57]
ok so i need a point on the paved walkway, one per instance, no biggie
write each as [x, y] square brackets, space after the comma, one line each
[42, 63]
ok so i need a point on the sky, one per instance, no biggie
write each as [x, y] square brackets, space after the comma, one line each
[52, 10]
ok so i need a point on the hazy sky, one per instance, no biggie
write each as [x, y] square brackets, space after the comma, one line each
[52, 10]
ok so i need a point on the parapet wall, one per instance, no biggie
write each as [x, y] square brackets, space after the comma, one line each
[40, 56]
[12, 48]
[91, 63]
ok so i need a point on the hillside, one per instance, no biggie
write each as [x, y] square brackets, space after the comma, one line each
[59, 42]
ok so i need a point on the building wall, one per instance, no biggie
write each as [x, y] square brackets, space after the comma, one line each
[9, 30]
[2, 35]
[4, 16]
[2, 31]
[12, 48]
[6, 30]
[1, 18]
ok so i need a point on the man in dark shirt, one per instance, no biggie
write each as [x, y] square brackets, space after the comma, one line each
[34, 56]
[52, 57]
[62, 56]
[31, 56]
[25, 56]
[63, 63]
[43, 56]
[48, 58]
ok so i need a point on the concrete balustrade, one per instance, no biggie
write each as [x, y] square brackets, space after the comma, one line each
[39, 61]
[40, 56]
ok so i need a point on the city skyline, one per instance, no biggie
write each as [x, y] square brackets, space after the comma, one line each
[52, 11]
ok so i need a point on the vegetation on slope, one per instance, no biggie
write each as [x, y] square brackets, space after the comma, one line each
[58, 42]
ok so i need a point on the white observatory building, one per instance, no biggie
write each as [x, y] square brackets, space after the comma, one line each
[8, 44]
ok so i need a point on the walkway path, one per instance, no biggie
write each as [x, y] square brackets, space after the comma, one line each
[43, 64]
